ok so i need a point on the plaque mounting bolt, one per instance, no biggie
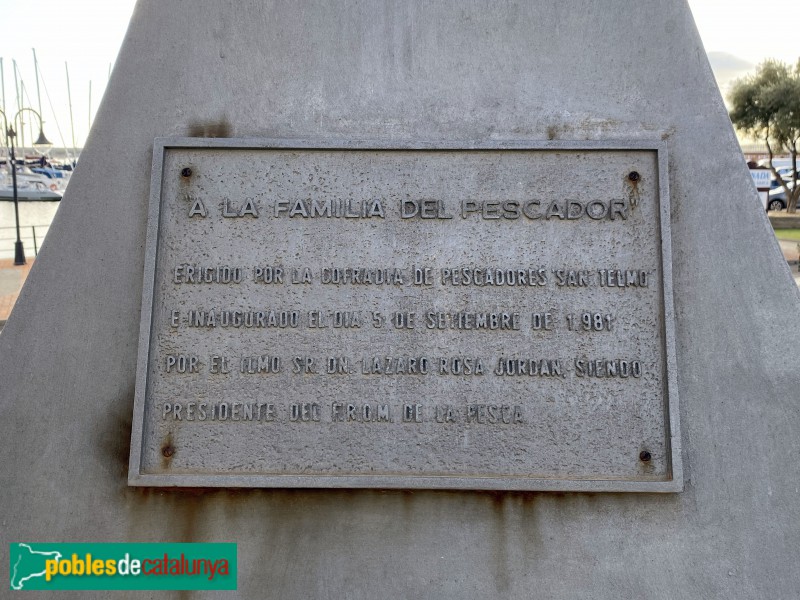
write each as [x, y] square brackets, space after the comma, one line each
[634, 176]
[645, 456]
[168, 451]
[186, 172]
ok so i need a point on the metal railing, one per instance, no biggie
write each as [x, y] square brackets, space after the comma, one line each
[32, 237]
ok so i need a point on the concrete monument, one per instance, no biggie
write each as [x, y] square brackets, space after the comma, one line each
[409, 245]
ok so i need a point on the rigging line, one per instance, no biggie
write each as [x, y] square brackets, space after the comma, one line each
[24, 94]
[18, 100]
[55, 118]
[3, 85]
[3, 107]
[36, 70]
[30, 104]
[24, 90]
[71, 120]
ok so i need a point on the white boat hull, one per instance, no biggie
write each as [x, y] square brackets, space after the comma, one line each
[29, 194]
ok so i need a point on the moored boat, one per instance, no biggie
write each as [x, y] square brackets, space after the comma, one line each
[34, 190]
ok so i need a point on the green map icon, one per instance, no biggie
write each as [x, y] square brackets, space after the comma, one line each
[27, 564]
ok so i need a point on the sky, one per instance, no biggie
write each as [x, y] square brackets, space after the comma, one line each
[750, 30]
[87, 34]
[738, 35]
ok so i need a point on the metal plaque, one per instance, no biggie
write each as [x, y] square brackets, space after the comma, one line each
[321, 314]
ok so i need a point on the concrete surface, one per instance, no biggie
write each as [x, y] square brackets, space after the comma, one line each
[784, 220]
[415, 70]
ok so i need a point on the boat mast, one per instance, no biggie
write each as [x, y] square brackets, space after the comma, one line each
[71, 121]
[38, 92]
[21, 131]
[3, 89]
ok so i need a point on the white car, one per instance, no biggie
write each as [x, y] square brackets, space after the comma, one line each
[777, 197]
[778, 163]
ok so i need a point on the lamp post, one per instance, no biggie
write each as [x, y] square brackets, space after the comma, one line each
[41, 145]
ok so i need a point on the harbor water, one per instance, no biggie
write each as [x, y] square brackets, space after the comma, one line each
[34, 222]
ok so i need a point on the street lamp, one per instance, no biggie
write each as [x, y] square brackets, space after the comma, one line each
[41, 145]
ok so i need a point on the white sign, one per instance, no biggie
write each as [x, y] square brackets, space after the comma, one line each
[761, 178]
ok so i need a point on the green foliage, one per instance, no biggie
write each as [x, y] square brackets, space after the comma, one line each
[766, 105]
[792, 235]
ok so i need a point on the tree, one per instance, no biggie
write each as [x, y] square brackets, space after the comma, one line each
[766, 105]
